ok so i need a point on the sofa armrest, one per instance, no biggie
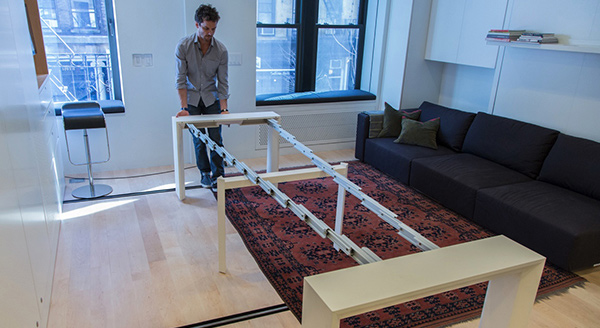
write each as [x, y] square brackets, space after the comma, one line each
[369, 125]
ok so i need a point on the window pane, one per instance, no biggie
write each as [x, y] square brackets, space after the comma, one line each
[83, 14]
[338, 12]
[276, 11]
[275, 60]
[336, 59]
[77, 49]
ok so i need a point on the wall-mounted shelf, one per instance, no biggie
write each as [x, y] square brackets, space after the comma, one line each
[552, 46]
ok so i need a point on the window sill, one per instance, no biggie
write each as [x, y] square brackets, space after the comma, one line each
[108, 107]
[312, 97]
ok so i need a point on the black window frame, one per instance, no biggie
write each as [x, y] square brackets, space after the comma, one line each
[307, 27]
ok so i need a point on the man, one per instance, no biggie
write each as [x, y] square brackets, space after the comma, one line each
[202, 86]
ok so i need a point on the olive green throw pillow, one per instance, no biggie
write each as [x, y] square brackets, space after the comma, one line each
[392, 121]
[419, 133]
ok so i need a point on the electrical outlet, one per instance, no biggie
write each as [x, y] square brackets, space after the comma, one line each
[148, 62]
[137, 60]
[142, 60]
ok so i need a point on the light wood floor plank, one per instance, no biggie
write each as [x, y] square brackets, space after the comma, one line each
[151, 261]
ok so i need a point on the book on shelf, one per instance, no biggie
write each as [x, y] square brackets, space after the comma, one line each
[549, 40]
[537, 34]
[498, 39]
[500, 36]
[507, 31]
[537, 38]
[503, 35]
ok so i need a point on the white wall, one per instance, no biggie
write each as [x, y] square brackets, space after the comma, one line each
[421, 79]
[396, 47]
[142, 136]
[375, 44]
[407, 79]
[466, 87]
[560, 90]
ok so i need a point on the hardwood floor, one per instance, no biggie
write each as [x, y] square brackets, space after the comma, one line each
[151, 261]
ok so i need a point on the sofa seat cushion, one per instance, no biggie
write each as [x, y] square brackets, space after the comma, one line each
[518, 145]
[574, 163]
[454, 180]
[395, 159]
[560, 224]
[454, 123]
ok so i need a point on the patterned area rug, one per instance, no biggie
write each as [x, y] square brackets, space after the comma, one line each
[287, 250]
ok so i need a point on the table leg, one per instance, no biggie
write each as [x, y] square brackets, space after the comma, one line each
[509, 298]
[178, 160]
[315, 313]
[341, 200]
[272, 150]
[221, 224]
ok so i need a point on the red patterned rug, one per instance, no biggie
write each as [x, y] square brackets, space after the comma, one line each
[287, 250]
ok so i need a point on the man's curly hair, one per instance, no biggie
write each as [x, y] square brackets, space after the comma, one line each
[206, 13]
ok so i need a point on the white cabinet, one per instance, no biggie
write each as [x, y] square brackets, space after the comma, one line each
[443, 36]
[51, 173]
[30, 190]
[38, 199]
[45, 228]
[457, 31]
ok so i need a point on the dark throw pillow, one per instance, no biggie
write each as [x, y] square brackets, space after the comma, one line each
[392, 121]
[419, 133]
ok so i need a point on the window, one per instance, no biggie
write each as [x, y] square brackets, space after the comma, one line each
[309, 45]
[79, 38]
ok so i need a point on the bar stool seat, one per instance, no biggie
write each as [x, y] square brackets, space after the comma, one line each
[84, 116]
[79, 119]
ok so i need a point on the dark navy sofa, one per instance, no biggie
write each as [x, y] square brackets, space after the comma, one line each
[535, 185]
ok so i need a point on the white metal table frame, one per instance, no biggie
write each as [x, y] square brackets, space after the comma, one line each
[512, 270]
[362, 255]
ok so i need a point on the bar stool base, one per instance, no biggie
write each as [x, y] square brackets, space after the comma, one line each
[89, 191]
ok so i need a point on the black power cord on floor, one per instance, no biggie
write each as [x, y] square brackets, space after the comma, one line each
[128, 177]
[231, 319]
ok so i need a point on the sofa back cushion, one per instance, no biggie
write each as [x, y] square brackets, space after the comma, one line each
[518, 145]
[454, 123]
[574, 163]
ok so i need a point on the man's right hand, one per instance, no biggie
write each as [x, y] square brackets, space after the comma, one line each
[182, 112]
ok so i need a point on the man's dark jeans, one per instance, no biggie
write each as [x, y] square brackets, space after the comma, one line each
[216, 162]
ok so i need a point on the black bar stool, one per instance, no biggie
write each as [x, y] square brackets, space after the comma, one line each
[84, 116]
